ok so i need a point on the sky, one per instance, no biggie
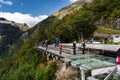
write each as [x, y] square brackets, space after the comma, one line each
[30, 11]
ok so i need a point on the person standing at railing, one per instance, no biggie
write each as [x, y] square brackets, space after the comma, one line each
[74, 47]
[37, 43]
[118, 58]
[60, 47]
[46, 44]
[83, 47]
[57, 41]
[43, 43]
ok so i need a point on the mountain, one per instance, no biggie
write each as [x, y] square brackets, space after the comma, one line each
[68, 9]
[74, 22]
[23, 27]
[3, 19]
[9, 33]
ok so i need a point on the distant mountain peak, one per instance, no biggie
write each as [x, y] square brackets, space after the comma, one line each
[3, 19]
[22, 26]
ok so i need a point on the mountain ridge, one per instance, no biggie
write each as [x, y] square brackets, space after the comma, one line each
[22, 26]
[9, 33]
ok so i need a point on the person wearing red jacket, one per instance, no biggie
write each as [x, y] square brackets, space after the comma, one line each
[60, 47]
[118, 58]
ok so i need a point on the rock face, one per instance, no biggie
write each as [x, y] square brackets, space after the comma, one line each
[10, 32]
[69, 73]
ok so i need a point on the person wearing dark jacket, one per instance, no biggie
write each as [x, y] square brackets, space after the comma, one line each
[74, 47]
[83, 47]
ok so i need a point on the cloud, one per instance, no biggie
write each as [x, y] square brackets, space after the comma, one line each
[23, 18]
[6, 2]
[72, 1]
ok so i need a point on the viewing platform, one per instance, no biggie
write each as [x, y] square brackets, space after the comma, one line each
[95, 46]
[95, 63]
[66, 52]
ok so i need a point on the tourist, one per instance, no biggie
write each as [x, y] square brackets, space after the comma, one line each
[57, 41]
[60, 47]
[83, 47]
[74, 47]
[37, 42]
[118, 59]
[91, 40]
[43, 43]
[46, 44]
[105, 40]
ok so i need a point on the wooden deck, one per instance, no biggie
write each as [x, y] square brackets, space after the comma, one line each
[67, 50]
[106, 47]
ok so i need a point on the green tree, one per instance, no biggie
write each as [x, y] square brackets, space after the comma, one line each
[83, 24]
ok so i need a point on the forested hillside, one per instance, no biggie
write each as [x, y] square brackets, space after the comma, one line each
[106, 12]
[28, 64]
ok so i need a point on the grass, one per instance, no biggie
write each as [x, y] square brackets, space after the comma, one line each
[107, 31]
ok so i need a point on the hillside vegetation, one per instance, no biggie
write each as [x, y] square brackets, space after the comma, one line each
[28, 64]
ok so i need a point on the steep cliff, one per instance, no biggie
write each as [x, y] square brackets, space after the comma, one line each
[10, 32]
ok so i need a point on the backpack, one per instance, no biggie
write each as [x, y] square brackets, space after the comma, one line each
[46, 41]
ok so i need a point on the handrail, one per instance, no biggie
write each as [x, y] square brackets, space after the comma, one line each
[108, 76]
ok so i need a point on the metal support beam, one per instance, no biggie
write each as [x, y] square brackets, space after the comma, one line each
[82, 74]
[56, 57]
[108, 76]
[48, 56]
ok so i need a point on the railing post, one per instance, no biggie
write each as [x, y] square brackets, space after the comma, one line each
[82, 74]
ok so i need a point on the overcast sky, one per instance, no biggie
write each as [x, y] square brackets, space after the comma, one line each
[30, 11]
